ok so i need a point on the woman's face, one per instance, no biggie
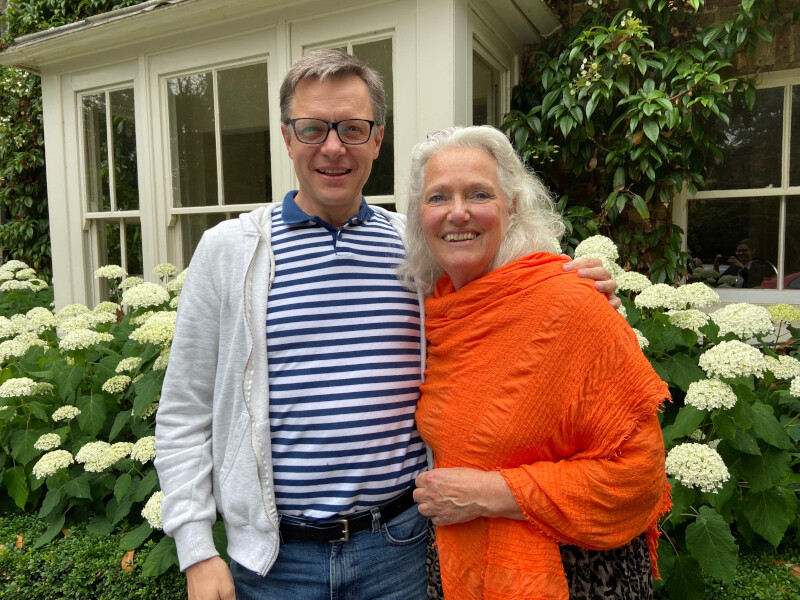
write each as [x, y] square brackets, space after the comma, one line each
[464, 212]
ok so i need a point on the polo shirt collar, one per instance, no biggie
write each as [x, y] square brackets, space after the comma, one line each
[294, 215]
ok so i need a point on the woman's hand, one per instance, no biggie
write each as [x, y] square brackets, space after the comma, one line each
[592, 268]
[459, 494]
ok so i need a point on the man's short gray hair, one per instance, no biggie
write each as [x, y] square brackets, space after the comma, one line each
[534, 224]
[331, 63]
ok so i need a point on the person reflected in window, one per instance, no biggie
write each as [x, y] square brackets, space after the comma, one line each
[748, 270]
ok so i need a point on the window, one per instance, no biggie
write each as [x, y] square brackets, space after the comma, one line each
[378, 55]
[487, 106]
[751, 212]
[219, 147]
[111, 190]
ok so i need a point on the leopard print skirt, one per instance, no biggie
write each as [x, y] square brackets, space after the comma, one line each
[620, 574]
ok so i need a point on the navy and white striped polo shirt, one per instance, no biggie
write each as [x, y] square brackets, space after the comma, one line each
[344, 351]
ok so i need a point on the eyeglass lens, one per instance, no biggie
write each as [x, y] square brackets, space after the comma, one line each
[315, 131]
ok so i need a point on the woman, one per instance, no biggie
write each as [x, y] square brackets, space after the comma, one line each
[538, 405]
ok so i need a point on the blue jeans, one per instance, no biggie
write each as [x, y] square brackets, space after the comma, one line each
[385, 565]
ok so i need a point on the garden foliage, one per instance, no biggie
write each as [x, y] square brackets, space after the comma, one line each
[732, 430]
[619, 112]
[78, 394]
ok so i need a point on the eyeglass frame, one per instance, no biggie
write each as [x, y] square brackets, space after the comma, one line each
[331, 125]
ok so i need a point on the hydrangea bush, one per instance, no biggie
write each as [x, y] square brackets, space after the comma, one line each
[732, 430]
[79, 390]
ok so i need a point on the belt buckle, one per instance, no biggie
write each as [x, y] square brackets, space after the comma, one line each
[346, 534]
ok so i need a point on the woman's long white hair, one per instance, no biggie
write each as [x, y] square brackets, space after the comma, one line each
[534, 222]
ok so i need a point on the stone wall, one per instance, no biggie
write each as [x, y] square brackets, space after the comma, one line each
[782, 53]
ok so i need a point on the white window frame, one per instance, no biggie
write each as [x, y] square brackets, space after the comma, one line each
[785, 79]
[489, 45]
[230, 52]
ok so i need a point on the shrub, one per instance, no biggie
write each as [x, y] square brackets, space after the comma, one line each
[78, 394]
[94, 568]
[732, 430]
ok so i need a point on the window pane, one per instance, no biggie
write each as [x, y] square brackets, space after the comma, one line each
[95, 139]
[133, 248]
[192, 140]
[378, 55]
[194, 226]
[727, 230]
[791, 269]
[124, 139]
[485, 92]
[794, 155]
[244, 127]
[109, 244]
[751, 145]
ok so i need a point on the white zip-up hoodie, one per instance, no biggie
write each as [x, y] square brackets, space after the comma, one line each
[212, 427]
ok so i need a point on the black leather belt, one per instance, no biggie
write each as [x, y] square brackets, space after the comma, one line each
[341, 529]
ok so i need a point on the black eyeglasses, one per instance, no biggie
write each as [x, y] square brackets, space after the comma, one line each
[352, 132]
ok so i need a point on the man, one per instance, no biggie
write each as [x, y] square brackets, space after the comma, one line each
[289, 400]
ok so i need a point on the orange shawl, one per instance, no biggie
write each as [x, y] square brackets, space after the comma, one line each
[532, 373]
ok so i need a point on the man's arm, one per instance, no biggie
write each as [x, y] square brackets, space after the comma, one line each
[592, 268]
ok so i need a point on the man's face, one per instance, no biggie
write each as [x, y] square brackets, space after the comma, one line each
[331, 174]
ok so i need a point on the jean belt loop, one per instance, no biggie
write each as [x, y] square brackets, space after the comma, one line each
[376, 519]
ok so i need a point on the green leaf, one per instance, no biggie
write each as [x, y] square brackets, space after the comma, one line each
[120, 421]
[770, 513]
[641, 206]
[99, 525]
[136, 538]
[220, 539]
[161, 558]
[93, 413]
[79, 487]
[769, 428]
[50, 532]
[651, 129]
[147, 388]
[710, 541]
[566, 124]
[67, 378]
[746, 443]
[143, 488]
[763, 472]
[16, 484]
[22, 448]
[683, 370]
[122, 486]
[51, 501]
[686, 580]
[116, 511]
[682, 499]
[689, 418]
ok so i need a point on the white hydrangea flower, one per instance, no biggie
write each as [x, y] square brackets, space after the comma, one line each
[697, 435]
[116, 452]
[643, 341]
[144, 295]
[142, 318]
[163, 360]
[697, 466]
[151, 409]
[14, 265]
[110, 272]
[152, 510]
[631, 281]
[691, 319]
[116, 384]
[12, 349]
[129, 364]
[173, 304]
[18, 387]
[130, 282]
[40, 319]
[71, 310]
[794, 387]
[659, 295]
[783, 367]
[177, 284]
[25, 274]
[7, 327]
[732, 359]
[144, 450]
[83, 321]
[597, 246]
[5, 275]
[158, 329]
[696, 295]
[710, 394]
[80, 339]
[65, 413]
[744, 320]
[13, 284]
[785, 313]
[51, 463]
[48, 441]
[37, 285]
[108, 307]
[165, 270]
[91, 456]
[713, 444]
[623, 311]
